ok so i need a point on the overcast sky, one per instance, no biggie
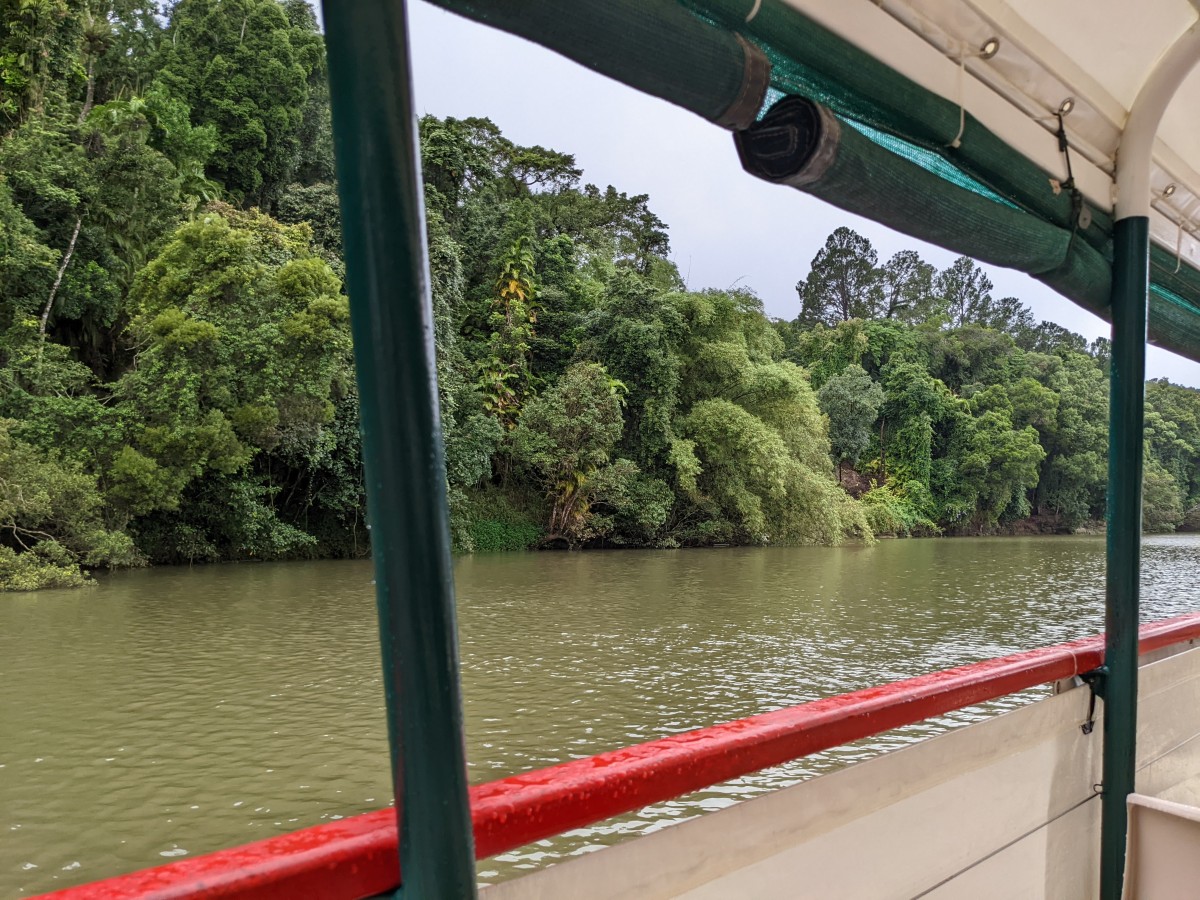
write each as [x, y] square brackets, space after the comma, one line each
[726, 227]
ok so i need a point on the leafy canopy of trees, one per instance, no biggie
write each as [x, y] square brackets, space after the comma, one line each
[175, 368]
[176, 378]
[963, 414]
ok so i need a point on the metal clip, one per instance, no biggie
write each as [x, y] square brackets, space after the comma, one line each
[1095, 680]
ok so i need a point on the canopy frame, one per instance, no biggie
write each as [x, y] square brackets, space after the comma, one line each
[1127, 398]
[391, 317]
[391, 312]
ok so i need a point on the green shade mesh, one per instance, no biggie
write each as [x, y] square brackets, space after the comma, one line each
[928, 161]
[802, 144]
[656, 46]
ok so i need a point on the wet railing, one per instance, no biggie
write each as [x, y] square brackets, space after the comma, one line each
[355, 858]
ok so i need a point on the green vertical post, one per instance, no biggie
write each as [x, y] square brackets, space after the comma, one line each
[379, 172]
[1127, 400]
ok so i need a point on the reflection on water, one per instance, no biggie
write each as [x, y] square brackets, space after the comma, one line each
[175, 711]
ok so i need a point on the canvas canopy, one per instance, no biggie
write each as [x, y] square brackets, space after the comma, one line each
[988, 127]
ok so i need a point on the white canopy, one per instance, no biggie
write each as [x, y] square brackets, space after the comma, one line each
[1013, 64]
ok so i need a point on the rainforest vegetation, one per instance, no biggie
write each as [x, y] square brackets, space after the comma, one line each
[176, 379]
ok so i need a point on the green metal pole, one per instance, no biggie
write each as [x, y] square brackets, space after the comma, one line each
[387, 277]
[1127, 398]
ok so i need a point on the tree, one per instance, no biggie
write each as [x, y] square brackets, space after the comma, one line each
[137, 187]
[966, 356]
[1179, 447]
[852, 401]
[752, 453]
[244, 364]
[1101, 350]
[1007, 314]
[175, 371]
[465, 157]
[1162, 506]
[825, 352]
[50, 520]
[843, 282]
[989, 467]
[170, 131]
[126, 55]
[906, 283]
[914, 403]
[39, 48]
[1046, 337]
[470, 437]
[27, 265]
[567, 436]
[315, 164]
[103, 190]
[1032, 403]
[317, 206]
[504, 371]
[964, 292]
[636, 337]
[244, 67]
[1072, 482]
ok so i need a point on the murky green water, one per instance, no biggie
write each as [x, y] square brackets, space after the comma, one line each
[175, 711]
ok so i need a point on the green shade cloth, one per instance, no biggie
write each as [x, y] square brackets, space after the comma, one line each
[656, 46]
[802, 144]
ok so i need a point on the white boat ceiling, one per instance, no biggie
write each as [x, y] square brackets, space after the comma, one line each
[1094, 53]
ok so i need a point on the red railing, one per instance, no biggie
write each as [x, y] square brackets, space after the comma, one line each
[357, 857]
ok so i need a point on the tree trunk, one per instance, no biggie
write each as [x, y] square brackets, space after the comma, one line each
[882, 455]
[62, 269]
[89, 100]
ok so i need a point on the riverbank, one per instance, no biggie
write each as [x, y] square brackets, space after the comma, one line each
[494, 521]
[500, 538]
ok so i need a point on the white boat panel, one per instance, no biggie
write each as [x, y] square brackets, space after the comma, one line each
[1188, 790]
[1163, 856]
[1005, 808]
[1045, 865]
[1164, 652]
[1168, 739]
[928, 812]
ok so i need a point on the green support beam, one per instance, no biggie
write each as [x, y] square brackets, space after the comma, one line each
[1127, 400]
[379, 171]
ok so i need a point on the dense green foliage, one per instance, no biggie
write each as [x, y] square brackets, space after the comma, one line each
[580, 380]
[960, 412]
[176, 380]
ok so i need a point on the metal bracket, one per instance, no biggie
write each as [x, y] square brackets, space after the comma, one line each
[1096, 681]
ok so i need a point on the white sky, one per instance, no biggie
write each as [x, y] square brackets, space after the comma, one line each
[726, 227]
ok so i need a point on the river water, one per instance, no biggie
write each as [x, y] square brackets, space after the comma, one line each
[174, 711]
